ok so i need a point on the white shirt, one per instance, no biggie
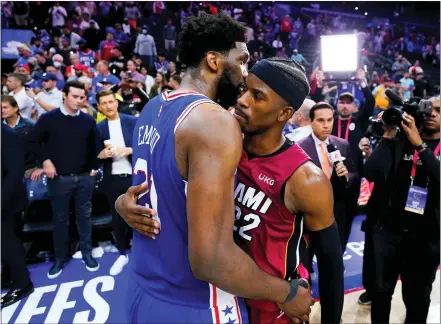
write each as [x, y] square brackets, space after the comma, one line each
[25, 103]
[299, 133]
[53, 97]
[149, 82]
[120, 165]
[319, 150]
[65, 113]
[58, 16]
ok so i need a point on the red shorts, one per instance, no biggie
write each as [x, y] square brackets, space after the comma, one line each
[258, 316]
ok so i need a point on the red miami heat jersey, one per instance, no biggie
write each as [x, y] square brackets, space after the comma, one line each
[264, 227]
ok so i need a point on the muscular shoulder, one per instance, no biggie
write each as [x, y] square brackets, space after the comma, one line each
[210, 123]
[308, 188]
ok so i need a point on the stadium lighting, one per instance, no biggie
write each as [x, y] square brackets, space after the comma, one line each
[356, 8]
[365, 13]
[339, 53]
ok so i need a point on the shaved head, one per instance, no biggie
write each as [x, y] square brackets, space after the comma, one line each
[301, 116]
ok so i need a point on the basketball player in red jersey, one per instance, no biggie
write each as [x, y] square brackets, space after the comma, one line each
[279, 189]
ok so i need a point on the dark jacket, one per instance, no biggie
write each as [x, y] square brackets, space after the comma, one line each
[389, 167]
[339, 188]
[13, 168]
[24, 130]
[127, 125]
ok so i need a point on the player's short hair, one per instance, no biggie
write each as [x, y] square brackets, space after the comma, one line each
[208, 33]
[318, 106]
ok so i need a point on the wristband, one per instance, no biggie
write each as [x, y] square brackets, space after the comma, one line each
[294, 287]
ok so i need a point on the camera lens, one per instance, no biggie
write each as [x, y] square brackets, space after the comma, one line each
[392, 117]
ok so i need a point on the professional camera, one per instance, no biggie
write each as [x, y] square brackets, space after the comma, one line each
[416, 107]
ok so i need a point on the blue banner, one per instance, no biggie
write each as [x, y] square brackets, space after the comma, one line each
[11, 38]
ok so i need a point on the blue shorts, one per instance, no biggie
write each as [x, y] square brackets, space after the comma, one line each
[143, 308]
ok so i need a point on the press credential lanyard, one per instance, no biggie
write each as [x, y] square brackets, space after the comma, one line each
[347, 128]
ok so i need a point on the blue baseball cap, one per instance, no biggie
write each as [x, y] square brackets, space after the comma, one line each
[48, 77]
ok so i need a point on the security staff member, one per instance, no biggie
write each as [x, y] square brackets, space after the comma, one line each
[405, 200]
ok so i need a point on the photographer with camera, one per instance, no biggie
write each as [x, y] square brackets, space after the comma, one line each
[404, 206]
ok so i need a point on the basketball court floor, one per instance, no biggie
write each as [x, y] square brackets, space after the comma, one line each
[79, 296]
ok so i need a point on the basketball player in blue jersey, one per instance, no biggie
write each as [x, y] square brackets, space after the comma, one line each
[274, 87]
[186, 150]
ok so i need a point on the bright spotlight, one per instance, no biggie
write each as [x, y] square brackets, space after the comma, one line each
[339, 53]
[356, 8]
[365, 13]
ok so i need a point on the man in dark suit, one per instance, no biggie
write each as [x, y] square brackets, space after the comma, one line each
[343, 175]
[116, 133]
[13, 204]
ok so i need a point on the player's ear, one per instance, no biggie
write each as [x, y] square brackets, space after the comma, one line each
[286, 113]
[213, 61]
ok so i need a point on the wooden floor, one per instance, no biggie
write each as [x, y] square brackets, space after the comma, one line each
[355, 313]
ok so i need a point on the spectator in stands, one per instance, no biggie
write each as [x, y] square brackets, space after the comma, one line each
[149, 81]
[132, 12]
[50, 98]
[285, 28]
[282, 53]
[13, 204]
[175, 82]
[407, 85]
[92, 35]
[66, 50]
[117, 157]
[162, 64]
[87, 21]
[145, 46]
[132, 72]
[277, 44]
[121, 37]
[68, 143]
[16, 87]
[57, 72]
[294, 38]
[160, 81]
[133, 98]
[416, 68]
[299, 58]
[421, 86]
[58, 15]
[86, 56]
[381, 100]
[25, 70]
[91, 96]
[118, 62]
[301, 121]
[72, 38]
[374, 81]
[171, 70]
[401, 64]
[103, 73]
[24, 52]
[106, 47]
[169, 35]
[311, 29]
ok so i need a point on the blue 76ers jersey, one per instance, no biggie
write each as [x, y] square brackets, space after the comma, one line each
[161, 267]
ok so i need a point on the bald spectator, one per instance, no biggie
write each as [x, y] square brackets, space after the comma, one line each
[302, 121]
[16, 87]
